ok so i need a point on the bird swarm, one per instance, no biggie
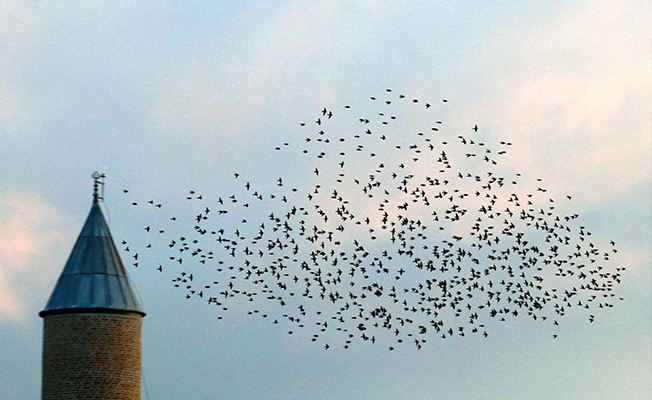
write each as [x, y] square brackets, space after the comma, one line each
[392, 235]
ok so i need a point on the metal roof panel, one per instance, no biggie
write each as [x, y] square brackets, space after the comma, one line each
[94, 276]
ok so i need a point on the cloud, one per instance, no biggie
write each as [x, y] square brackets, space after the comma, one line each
[228, 84]
[16, 24]
[285, 58]
[573, 96]
[30, 233]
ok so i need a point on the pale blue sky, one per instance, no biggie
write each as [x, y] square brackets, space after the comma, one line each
[172, 95]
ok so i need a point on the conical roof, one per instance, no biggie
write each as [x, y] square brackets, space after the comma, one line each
[94, 277]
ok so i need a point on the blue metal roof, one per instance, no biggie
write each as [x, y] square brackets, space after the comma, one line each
[94, 276]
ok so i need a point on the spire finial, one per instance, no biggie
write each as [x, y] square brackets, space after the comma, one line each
[98, 179]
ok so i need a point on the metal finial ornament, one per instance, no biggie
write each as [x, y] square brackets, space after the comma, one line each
[98, 179]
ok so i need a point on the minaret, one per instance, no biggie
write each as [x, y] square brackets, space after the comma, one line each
[92, 322]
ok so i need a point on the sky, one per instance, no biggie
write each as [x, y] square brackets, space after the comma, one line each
[171, 96]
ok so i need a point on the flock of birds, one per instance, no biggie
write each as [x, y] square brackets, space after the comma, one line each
[392, 229]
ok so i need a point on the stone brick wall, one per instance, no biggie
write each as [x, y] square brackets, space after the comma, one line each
[91, 356]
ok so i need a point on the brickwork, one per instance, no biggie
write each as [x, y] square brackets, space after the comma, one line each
[91, 356]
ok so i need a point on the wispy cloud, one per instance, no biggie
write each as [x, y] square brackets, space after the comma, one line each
[30, 233]
[574, 97]
[16, 28]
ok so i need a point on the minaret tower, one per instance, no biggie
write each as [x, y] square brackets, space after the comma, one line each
[92, 322]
